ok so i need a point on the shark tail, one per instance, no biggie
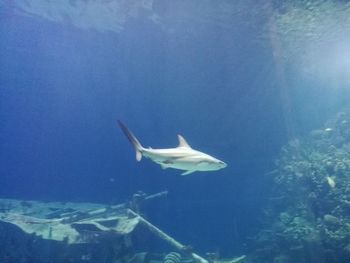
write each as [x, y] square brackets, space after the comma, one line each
[135, 143]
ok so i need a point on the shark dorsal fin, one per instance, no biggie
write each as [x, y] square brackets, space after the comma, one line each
[182, 142]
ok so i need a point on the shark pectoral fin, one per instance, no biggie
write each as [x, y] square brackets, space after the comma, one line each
[163, 166]
[188, 172]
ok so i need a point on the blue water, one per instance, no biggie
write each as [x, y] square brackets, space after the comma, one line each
[220, 85]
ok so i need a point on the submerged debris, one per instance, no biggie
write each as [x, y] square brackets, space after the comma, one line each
[34, 231]
[72, 223]
[87, 232]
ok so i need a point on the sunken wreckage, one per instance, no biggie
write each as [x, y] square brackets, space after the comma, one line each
[34, 231]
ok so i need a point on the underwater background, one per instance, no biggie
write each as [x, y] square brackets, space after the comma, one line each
[238, 79]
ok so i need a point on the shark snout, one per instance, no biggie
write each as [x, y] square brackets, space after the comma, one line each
[222, 164]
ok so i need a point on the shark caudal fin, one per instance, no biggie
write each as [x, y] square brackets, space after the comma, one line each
[135, 143]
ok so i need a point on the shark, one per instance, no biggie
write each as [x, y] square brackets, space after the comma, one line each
[183, 157]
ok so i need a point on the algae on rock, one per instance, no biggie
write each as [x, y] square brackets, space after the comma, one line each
[308, 213]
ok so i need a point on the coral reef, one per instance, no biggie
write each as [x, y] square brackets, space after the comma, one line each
[308, 215]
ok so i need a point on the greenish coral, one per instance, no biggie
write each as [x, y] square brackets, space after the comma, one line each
[310, 202]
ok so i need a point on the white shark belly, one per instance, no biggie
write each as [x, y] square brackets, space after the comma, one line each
[177, 158]
[183, 165]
